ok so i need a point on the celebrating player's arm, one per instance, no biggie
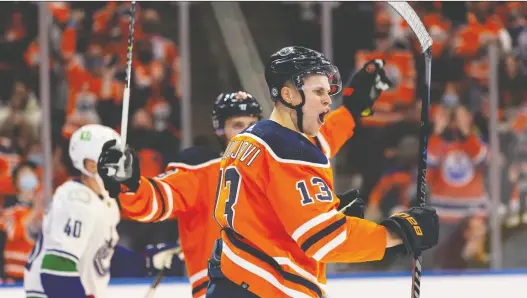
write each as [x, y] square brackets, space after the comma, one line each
[143, 198]
[327, 235]
[357, 101]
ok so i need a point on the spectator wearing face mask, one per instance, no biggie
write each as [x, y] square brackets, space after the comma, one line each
[21, 223]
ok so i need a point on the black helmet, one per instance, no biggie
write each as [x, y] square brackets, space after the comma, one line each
[295, 63]
[238, 103]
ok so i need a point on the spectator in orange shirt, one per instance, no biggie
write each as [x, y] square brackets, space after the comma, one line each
[21, 222]
[164, 50]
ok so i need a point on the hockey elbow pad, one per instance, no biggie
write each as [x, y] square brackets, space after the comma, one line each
[365, 87]
[418, 228]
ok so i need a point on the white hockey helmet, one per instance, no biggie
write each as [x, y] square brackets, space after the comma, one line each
[86, 143]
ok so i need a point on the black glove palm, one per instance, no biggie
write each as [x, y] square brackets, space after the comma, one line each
[365, 87]
[351, 204]
[108, 168]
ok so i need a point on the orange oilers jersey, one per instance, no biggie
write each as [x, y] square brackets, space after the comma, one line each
[187, 191]
[19, 240]
[277, 207]
[455, 176]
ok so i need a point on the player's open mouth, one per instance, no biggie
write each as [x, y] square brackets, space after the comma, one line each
[321, 117]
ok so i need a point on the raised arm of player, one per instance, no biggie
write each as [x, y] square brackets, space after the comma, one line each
[358, 99]
[147, 199]
[162, 197]
[338, 128]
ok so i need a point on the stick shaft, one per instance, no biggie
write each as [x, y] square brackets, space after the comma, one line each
[159, 276]
[155, 283]
[126, 95]
[421, 177]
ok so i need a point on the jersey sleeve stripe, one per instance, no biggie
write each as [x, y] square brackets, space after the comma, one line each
[59, 273]
[313, 223]
[64, 254]
[287, 262]
[170, 199]
[324, 250]
[138, 213]
[199, 287]
[197, 276]
[322, 234]
[261, 272]
[154, 206]
[162, 198]
[269, 260]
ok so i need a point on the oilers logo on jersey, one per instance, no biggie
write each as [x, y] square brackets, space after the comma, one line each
[457, 168]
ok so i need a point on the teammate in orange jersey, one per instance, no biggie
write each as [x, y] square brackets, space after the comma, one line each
[279, 215]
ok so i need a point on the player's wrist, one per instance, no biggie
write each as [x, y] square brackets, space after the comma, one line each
[392, 239]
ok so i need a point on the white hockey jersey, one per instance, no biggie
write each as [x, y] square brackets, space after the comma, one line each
[80, 226]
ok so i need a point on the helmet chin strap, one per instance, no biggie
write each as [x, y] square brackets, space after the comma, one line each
[298, 109]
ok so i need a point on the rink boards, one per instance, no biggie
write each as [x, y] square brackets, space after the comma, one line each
[486, 284]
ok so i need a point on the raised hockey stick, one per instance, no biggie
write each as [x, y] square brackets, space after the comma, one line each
[409, 15]
[159, 276]
[126, 93]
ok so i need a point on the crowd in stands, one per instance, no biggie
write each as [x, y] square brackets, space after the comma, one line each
[385, 153]
[88, 44]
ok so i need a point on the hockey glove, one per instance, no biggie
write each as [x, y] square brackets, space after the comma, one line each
[108, 166]
[418, 228]
[160, 256]
[351, 204]
[365, 87]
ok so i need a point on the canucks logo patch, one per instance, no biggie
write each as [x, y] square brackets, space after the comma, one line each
[86, 135]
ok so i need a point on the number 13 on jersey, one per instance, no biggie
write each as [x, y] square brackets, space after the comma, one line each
[227, 195]
[228, 192]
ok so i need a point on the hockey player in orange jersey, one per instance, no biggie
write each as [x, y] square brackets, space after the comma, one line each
[187, 190]
[279, 215]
